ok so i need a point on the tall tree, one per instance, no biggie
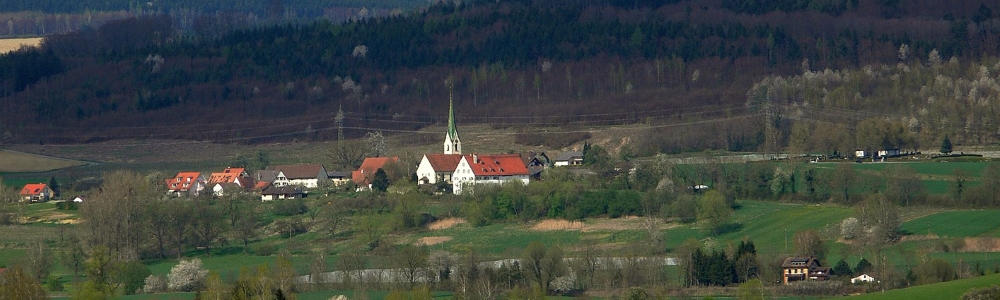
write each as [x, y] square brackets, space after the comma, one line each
[712, 210]
[946, 145]
[116, 215]
[543, 264]
[380, 182]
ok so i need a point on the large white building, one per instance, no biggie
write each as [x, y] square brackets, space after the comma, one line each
[436, 168]
[477, 169]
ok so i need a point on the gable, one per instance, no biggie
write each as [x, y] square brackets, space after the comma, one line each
[443, 162]
[496, 165]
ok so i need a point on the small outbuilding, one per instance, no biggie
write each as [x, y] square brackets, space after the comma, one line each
[864, 278]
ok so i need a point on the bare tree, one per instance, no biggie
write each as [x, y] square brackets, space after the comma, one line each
[116, 215]
[412, 260]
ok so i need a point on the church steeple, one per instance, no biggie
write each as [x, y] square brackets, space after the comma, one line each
[452, 144]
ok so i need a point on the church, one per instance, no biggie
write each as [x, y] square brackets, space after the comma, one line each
[464, 170]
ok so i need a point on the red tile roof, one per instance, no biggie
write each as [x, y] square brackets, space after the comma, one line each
[33, 189]
[369, 167]
[444, 162]
[496, 164]
[232, 175]
[183, 180]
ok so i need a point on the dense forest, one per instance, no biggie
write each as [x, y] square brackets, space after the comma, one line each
[701, 65]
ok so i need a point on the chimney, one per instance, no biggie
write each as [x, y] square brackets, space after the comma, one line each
[475, 158]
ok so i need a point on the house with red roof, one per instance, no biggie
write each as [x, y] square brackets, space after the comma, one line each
[186, 184]
[306, 175]
[363, 175]
[478, 169]
[237, 176]
[36, 192]
[436, 168]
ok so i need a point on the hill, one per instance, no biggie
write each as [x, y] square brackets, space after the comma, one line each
[509, 62]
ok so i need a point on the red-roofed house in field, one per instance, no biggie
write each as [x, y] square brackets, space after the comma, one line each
[186, 184]
[436, 168]
[306, 175]
[36, 192]
[238, 176]
[478, 169]
[363, 175]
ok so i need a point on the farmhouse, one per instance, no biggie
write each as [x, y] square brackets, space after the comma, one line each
[306, 175]
[363, 176]
[237, 176]
[436, 168]
[266, 178]
[36, 192]
[281, 193]
[864, 278]
[339, 178]
[569, 158]
[478, 169]
[186, 183]
[803, 268]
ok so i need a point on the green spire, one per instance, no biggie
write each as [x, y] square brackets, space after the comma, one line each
[452, 129]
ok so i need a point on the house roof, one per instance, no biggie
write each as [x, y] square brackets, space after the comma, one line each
[443, 162]
[182, 180]
[338, 174]
[228, 175]
[568, 155]
[33, 189]
[267, 175]
[300, 171]
[282, 190]
[496, 164]
[369, 167]
[262, 185]
[794, 262]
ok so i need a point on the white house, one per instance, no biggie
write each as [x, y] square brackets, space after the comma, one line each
[864, 278]
[271, 177]
[307, 175]
[436, 168]
[186, 183]
[477, 169]
[569, 158]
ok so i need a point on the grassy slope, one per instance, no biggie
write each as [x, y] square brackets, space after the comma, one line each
[956, 223]
[11, 161]
[944, 290]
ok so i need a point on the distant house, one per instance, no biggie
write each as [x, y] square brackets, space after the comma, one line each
[269, 177]
[237, 176]
[281, 193]
[436, 168]
[363, 175]
[864, 278]
[306, 175]
[478, 169]
[536, 163]
[79, 198]
[860, 153]
[36, 192]
[339, 178]
[803, 268]
[889, 152]
[186, 184]
[569, 158]
[227, 188]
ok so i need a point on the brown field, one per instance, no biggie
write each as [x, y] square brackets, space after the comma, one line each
[11, 161]
[8, 45]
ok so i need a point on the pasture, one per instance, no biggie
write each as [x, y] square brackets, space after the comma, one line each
[8, 45]
[956, 224]
[944, 290]
[20, 162]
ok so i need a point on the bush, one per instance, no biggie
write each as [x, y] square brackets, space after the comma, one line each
[292, 207]
[985, 293]
[54, 284]
[154, 284]
[67, 205]
[187, 276]
[265, 250]
[133, 277]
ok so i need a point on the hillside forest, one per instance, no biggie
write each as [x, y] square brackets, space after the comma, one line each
[815, 76]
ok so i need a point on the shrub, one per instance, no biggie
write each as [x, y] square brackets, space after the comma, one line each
[133, 276]
[186, 276]
[290, 207]
[154, 284]
[984, 293]
[54, 284]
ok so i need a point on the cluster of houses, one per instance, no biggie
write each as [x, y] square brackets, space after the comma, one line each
[451, 168]
[808, 268]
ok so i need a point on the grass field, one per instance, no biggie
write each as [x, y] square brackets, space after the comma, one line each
[956, 223]
[11, 161]
[8, 45]
[937, 291]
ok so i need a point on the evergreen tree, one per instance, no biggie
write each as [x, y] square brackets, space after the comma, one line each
[863, 266]
[842, 269]
[54, 185]
[946, 145]
[380, 182]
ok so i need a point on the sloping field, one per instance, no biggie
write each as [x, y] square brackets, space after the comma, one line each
[956, 223]
[768, 223]
[943, 290]
[8, 45]
[11, 161]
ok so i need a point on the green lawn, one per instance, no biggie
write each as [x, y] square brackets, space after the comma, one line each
[930, 167]
[768, 224]
[956, 223]
[937, 291]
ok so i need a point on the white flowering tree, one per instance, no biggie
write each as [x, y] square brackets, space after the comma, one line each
[186, 276]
